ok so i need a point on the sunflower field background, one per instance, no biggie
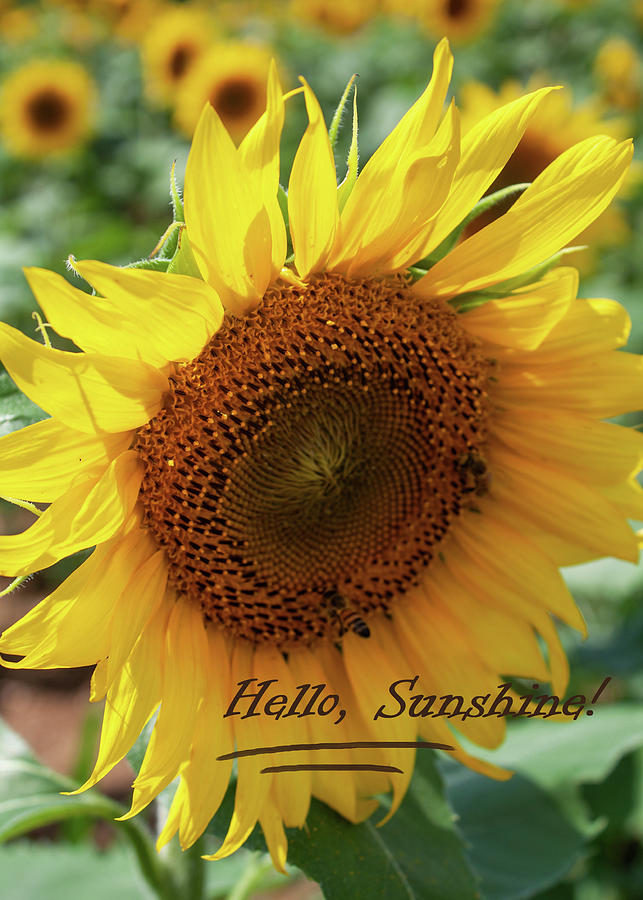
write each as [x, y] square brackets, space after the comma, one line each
[98, 102]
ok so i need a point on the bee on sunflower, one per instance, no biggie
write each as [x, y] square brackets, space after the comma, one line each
[380, 416]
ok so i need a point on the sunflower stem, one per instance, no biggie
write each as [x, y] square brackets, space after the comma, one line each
[194, 869]
[155, 872]
[258, 867]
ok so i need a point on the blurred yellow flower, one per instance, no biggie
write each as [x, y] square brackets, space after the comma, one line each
[46, 107]
[335, 16]
[460, 20]
[232, 78]
[17, 23]
[618, 69]
[126, 19]
[556, 126]
[175, 40]
[260, 450]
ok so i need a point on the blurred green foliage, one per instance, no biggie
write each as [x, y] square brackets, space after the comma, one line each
[572, 835]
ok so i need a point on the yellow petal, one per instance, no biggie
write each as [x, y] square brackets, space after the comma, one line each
[504, 641]
[371, 670]
[228, 225]
[382, 236]
[70, 627]
[88, 514]
[447, 664]
[596, 451]
[336, 789]
[485, 150]
[520, 569]
[602, 386]
[589, 327]
[273, 831]
[402, 170]
[524, 318]
[40, 462]
[132, 698]
[253, 788]
[312, 193]
[290, 792]
[627, 498]
[87, 392]
[204, 780]
[147, 583]
[561, 202]
[412, 134]
[155, 317]
[582, 515]
[183, 690]
[259, 151]
[98, 682]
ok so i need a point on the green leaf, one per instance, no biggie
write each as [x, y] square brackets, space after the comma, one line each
[581, 751]
[417, 854]
[30, 798]
[71, 873]
[526, 852]
[16, 410]
[519, 841]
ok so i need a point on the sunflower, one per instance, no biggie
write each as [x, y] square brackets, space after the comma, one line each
[324, 472]
[232, 77]
[335, 16]
[46, 107]
[17, 24]
[126, 19]
[618, 70]
[555, 127]
[176, 39]
[460, 20]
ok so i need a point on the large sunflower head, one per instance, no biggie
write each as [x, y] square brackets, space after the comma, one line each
[46, 107]
[177, 38]
[557, 125]
[232, 78]
[358, 463]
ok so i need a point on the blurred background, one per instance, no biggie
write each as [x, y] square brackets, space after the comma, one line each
[98, 98]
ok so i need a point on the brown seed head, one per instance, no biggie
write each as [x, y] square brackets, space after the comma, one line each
[314, 446]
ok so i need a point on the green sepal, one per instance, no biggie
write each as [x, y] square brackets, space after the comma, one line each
[183, 261]
[14, 584]
[352, 162]
[282, 199]
[175, 196]
[336, 121]
[155, 264]
[465, 302]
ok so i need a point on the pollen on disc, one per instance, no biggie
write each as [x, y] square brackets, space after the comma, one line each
[326, 442]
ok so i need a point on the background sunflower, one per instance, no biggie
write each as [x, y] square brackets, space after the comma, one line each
[567, 826]
[46, 108]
